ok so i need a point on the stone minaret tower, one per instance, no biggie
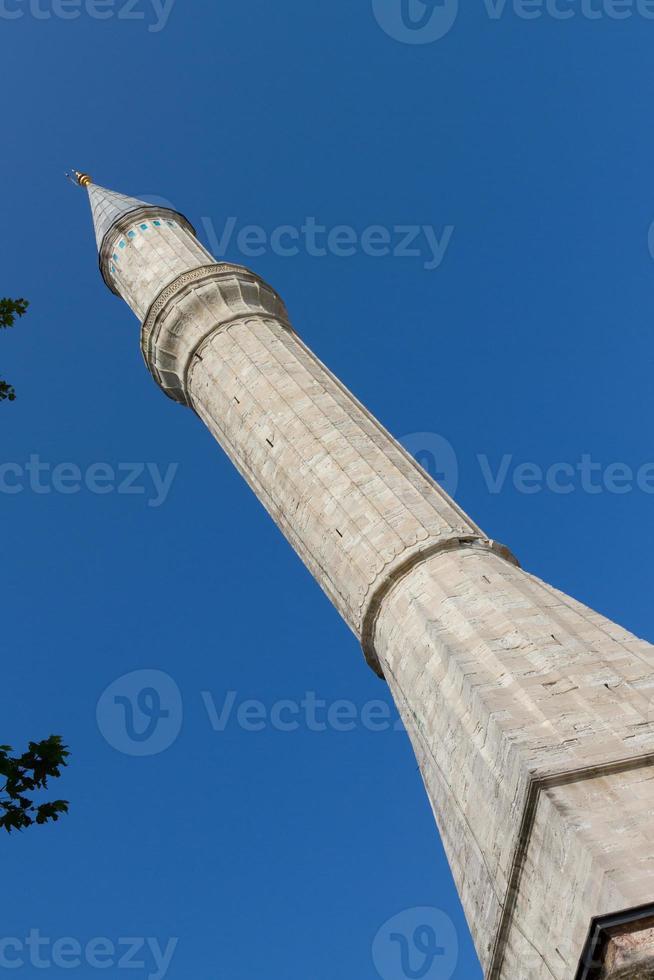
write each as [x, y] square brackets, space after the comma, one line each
[531, 716]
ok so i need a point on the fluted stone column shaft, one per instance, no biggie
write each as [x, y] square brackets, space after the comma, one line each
[529, 713]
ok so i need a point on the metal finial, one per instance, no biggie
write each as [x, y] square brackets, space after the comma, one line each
[75, 177]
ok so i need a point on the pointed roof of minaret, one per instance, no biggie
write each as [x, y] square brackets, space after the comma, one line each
[107, 206]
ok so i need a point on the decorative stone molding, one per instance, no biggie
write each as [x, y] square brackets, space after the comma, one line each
[407, 563]
[190, 308]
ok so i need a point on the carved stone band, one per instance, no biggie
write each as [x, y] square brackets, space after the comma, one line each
[414, 559]
[188, 310]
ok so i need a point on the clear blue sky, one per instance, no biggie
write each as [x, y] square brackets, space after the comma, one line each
[280, 854]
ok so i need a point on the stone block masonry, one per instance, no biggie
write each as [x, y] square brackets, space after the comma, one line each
[531, 716]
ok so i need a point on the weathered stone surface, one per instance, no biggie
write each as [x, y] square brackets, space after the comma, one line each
[351, 501]
[530, 715]
[515, 696]
[630, 954]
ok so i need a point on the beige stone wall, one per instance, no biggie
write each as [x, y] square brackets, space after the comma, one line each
[514, 694]
[352, 503]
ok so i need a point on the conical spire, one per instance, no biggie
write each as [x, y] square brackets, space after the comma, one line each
[107, 206]
[114, 216]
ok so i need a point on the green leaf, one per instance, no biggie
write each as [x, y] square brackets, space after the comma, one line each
[26, 773]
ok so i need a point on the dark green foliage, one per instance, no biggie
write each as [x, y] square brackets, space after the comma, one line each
[29, 772]
[26, 774]
[9, 310]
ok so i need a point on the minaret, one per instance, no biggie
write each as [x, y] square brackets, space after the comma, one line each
[530, 715]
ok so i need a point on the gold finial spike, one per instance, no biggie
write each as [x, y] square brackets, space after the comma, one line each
[75, 177]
